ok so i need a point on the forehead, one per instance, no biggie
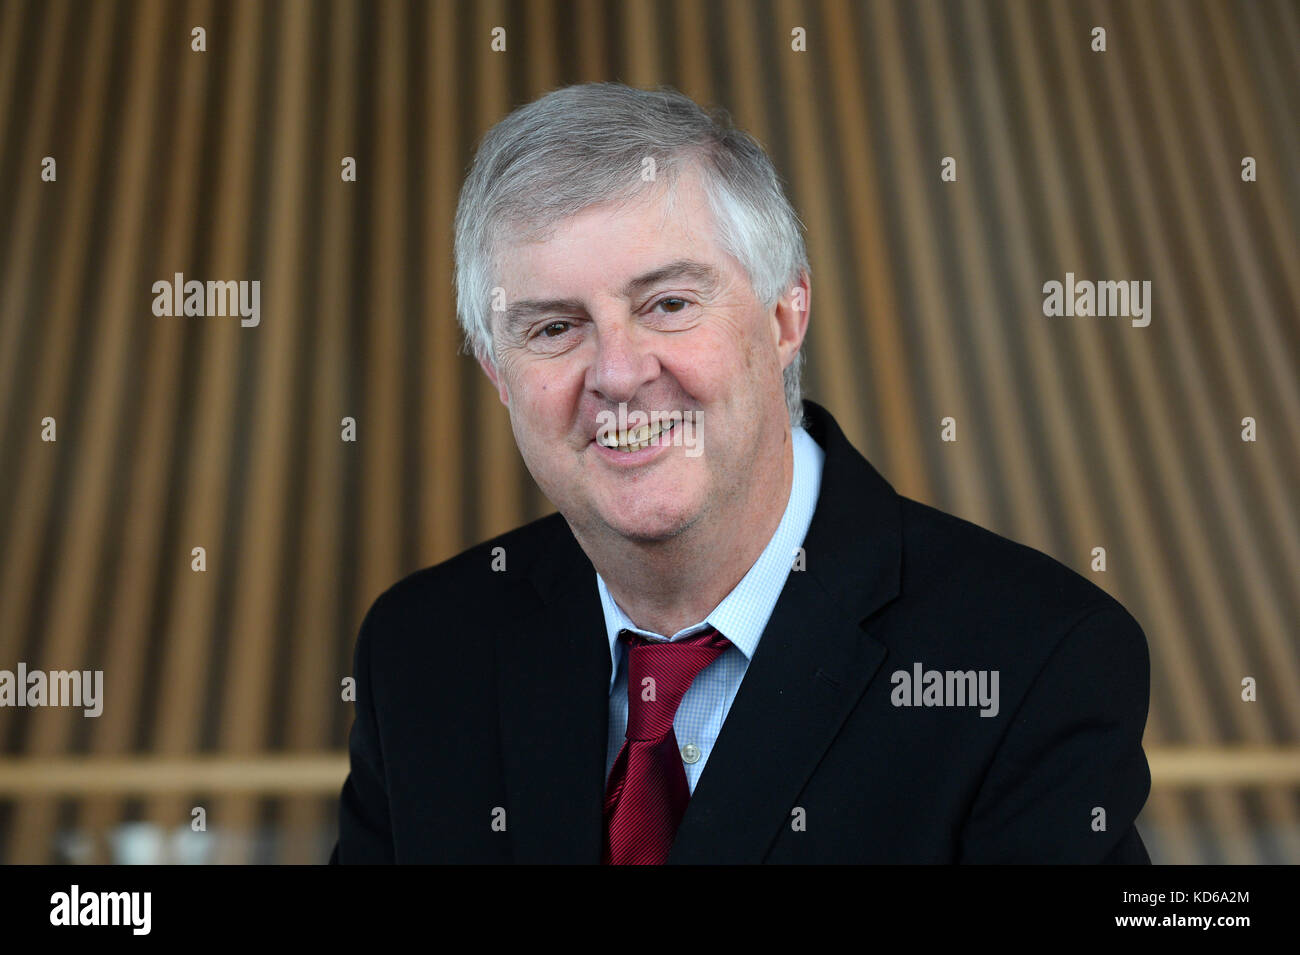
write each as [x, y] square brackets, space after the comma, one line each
[608, 243]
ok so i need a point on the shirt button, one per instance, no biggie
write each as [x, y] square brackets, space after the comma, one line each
[690, 753]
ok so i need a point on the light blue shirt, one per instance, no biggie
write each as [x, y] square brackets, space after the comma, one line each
[741, 617]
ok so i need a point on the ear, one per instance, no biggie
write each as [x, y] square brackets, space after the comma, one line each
[494, 375]
[790, 318]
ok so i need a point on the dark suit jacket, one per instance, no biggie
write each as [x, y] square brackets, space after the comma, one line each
[483, 695]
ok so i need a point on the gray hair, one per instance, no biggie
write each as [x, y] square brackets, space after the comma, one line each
[586, 144]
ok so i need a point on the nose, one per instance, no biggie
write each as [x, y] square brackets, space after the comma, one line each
[624, 361]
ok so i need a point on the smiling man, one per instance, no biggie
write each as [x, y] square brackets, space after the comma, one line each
[638, 307]
[733, 642]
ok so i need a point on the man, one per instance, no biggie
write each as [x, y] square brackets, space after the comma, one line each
[734, 642]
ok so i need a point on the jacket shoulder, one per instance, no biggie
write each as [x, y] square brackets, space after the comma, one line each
[970, 564]
[514, 551]
[461, 594]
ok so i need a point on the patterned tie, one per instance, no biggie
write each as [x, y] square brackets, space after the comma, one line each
[647, 792]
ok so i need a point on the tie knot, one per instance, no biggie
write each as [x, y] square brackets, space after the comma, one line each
[659, 674]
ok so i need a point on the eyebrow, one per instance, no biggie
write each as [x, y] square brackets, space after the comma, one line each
[706, 276]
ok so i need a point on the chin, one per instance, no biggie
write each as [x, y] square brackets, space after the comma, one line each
[650, 527]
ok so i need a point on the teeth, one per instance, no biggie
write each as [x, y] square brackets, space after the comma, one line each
[639, 439]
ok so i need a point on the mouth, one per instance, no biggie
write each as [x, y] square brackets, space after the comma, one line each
[636, 439]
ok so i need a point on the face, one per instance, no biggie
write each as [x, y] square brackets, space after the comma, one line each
[629, 315]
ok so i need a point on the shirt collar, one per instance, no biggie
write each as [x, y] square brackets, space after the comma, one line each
[743, 614]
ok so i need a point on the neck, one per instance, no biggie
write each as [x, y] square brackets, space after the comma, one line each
[666, 586]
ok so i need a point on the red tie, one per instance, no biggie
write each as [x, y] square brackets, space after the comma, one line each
[647, 792]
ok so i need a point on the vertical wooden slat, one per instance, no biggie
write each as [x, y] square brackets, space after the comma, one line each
[693, 51]
[30, 478]
[642, 43]
[11, 24]
[442, 519]
[592, 52]
[379, 441]
[23, 225]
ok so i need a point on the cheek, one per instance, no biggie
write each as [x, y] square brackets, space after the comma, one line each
[543, 397]
[723, 361]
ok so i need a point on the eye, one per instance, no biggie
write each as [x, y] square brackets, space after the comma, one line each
[551, 326]
[681, 303]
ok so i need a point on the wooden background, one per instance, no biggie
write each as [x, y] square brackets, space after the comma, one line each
[222, 687]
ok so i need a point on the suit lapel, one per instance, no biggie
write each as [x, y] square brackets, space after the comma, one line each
[811, 666]
[553, 679]
[809, 670]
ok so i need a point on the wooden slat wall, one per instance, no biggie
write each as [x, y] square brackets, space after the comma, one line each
[182, 432]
